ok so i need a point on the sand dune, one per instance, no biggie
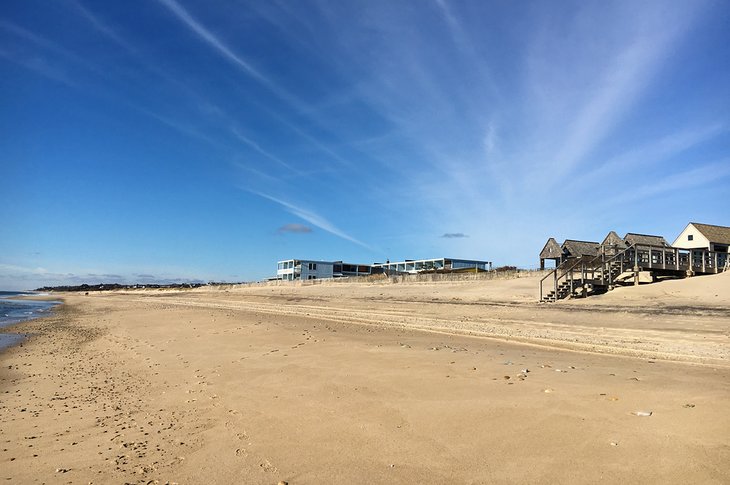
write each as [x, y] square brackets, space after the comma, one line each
[448, 382]
[713, 290]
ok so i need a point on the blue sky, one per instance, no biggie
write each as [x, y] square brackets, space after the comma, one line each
[172, 140]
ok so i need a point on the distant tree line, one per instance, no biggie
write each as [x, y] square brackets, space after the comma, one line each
[116, 286]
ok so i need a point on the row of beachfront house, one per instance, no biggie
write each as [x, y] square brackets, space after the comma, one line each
[303, 269]
[694, 237]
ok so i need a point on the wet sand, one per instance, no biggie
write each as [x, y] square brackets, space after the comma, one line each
[469, 382]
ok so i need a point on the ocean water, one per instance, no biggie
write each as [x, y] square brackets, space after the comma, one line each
[14, 311]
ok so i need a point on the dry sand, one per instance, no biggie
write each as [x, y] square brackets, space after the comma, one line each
[373, 383]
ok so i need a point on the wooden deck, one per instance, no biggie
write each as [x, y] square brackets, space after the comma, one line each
[579, 277]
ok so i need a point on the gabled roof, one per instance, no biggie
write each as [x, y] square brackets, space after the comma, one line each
[716, 234]
[647, 239]
[613, 240]
[551, 250]
[575, 248]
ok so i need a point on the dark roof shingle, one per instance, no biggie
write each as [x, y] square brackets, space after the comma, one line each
[716, 234]
[575, 248]
[647, 239]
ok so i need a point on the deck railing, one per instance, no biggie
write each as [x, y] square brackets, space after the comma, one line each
[667, 258]
[604, 268]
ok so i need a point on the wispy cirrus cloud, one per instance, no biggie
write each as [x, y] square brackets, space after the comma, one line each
[314, 219]
[179, 125]
[584, 78]
[45, 43]
[700, 176]
[256, 147]
[204, 105]
[208, 37]
[582, 104]
[17, 269]
[44, 61]
[467, 47]
[454, 235]
[103, 27]
[228, 53]
[641, 158]
[201, 103]
[42, 67]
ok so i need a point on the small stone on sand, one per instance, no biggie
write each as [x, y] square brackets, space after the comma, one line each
[643, 414]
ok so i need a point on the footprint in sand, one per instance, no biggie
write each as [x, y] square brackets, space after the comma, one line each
[268, 467]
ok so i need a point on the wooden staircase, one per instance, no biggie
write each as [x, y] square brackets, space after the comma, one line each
[575, 277]
[587, 275]
[564, 289]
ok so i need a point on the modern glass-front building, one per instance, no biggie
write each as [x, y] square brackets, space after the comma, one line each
[305, 269]
[437, 264]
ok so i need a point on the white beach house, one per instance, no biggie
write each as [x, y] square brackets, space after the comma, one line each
[306, 269]
[704, 236]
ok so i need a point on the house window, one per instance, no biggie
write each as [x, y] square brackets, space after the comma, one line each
[690, 237]
[312, 266]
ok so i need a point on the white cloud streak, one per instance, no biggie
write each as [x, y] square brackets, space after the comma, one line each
[701, 176]
[42, 67]
[227, 52]
[12, 269]
[313, 218]
[208, 37]
[103, 28]
[255, 146]
[641, 159]
[609, 95]
[46, 44]
[202, 104]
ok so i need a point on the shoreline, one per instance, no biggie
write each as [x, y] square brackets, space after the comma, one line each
[141, 387]
[12, 337]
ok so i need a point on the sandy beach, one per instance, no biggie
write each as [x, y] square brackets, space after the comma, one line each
[372, 382]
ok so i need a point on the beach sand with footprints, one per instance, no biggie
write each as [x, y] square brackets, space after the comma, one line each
[372, 382]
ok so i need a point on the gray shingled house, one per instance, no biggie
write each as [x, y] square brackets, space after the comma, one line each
[571, 248]
[613, 244]
[645, 239]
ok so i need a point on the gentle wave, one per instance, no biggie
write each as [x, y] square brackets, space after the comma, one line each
[14, 311]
